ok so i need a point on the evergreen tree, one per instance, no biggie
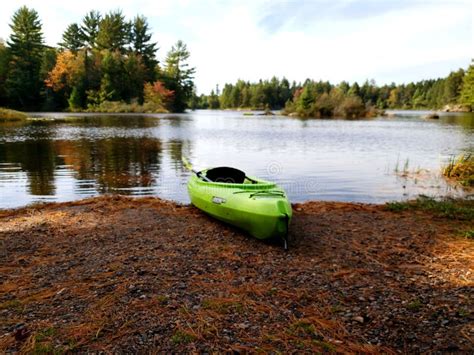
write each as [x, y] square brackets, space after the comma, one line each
[257, 96]
[4, 60]
[142, 45]
[114, 32]
[452, 87]
[467, 93]
[73, 38]
[135, 72]
[284, 93]
[246, 96]
[23, 83]
[112, 83]
[90, 28]
[50, 101]
[354, 90]
[213, 101]
[178, 76]
[225, 98]
[74, 101]
[344, 86]
[305, 101]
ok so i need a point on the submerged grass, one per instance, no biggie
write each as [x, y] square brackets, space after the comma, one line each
[460, 209]
[11, 115]
[461, 169]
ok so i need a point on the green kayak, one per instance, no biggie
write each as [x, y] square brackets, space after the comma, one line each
[259, 207]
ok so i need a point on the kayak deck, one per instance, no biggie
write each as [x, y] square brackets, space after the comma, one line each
[257, 206]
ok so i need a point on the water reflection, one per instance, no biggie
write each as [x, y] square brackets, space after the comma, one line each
[465, 120]
[114, 163]
[117, 163]
[38, 160]
[63, 157]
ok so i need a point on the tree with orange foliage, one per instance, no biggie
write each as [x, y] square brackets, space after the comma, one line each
[157, 96]
[67, 72]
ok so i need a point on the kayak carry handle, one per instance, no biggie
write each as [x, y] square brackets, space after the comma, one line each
[270, 192]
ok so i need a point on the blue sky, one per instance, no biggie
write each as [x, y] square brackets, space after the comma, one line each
[336, 40]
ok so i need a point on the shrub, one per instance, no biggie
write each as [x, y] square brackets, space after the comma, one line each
[11, 115]
[351, 107]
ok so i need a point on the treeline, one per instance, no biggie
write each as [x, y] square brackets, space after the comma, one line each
[105, 63]
[323, 99]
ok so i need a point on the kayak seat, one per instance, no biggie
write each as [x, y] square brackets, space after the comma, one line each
[226, 174]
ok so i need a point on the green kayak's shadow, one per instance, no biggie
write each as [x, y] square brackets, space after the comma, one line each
[271, 242]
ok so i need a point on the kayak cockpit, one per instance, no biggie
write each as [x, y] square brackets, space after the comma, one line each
[227, 175]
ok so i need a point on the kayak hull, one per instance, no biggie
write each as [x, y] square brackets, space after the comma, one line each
[260, 208]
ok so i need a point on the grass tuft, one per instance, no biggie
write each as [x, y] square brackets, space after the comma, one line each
[182, 337]
[461, 169]
[458, 209]
[469, 234]
[414, 305]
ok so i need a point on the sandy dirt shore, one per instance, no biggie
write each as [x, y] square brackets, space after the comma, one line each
[117, 274]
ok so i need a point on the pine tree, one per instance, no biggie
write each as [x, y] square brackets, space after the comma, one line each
[305, 100]
[134, 77]
[467, 92]
[452, 87]
[178, 76]
[114, 32]
[73, 38]
[213, 100]
[4, 60]
[23, 82]
[142, 45]
[90, 28]
[112, 82]
[355, 90]
[74, 101]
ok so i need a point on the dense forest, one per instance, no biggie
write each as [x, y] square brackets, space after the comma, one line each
[323, 99]
[105, 63]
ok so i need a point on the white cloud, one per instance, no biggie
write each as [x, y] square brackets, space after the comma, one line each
[391, 41]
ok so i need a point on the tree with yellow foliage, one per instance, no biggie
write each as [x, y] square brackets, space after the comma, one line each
[67, 72]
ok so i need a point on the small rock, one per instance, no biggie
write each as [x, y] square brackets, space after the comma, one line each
[359, 319]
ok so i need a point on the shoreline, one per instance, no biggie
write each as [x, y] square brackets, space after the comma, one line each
[114, 273]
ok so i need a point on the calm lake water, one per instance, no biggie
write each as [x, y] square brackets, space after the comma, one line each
[67, 157]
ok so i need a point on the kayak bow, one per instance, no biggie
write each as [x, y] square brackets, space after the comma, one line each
[257, 206]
